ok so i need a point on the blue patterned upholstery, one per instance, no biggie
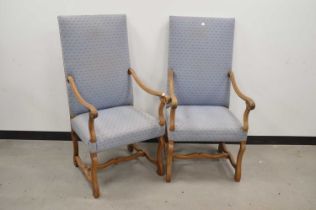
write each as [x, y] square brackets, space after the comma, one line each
[117, 126]
[206, 123]
[200, 54]
[95, 53]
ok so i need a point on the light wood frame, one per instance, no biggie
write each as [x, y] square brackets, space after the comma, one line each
[90, 170]
[222, 149]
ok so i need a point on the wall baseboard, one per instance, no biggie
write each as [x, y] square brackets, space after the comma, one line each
[65, 136]
[35, 135]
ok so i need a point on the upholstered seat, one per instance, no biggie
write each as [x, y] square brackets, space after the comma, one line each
[117, 126]
[206, 123]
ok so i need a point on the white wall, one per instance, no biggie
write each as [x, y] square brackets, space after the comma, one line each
[274, 58]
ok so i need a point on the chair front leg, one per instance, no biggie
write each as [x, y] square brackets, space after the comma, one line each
[159, 156]
[170, 146]
[74, 139]
[94, 176]
[239, 161]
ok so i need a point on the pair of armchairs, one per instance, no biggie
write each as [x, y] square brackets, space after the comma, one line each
[98, 72]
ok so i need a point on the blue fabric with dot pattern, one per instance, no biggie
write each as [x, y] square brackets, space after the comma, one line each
[95, 52]
[200, 54]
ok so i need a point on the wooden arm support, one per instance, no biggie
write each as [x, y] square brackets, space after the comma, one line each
[93, 113]
[174, 101]
[163, 98]
[250, 104]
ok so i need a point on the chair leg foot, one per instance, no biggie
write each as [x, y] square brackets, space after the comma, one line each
[94, 177]
[169, 160]
[75, 145]
[159, 156]
[239, 161]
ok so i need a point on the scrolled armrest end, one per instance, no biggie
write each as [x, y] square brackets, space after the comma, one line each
[251, 105]
[93, 113]
[174, 102]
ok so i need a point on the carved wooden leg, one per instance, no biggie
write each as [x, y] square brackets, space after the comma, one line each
[94, 177]
[159, 156]
[165, 148]
[239, 160]
[130, 147]
[74, 139]
[169, 160]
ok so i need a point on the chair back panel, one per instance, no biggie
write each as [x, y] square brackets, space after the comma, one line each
[95, 52]
[200, 54]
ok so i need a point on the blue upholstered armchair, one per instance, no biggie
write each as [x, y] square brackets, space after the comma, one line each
[200, 62]
[97, 67]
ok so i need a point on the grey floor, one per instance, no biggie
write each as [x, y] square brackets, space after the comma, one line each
[40, 175]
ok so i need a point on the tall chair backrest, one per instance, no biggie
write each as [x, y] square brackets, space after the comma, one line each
[200, 54]
[95, 53]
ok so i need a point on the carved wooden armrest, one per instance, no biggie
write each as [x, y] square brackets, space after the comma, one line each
[250, 104]
[163, 97]
[93, 113]
[174, 100]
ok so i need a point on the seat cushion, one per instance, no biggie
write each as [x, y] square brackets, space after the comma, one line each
[206, 123]
[117, 126]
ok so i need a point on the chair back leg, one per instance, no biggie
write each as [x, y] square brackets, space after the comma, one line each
[170, 146]
[159, 156]
[220, 148]
[130, 148]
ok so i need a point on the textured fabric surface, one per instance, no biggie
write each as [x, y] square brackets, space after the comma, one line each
[200, 54]
[118, 126]
[95, 52]
[206, 123]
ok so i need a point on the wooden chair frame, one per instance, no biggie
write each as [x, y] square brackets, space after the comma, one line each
[90, 170]
[222, 149]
